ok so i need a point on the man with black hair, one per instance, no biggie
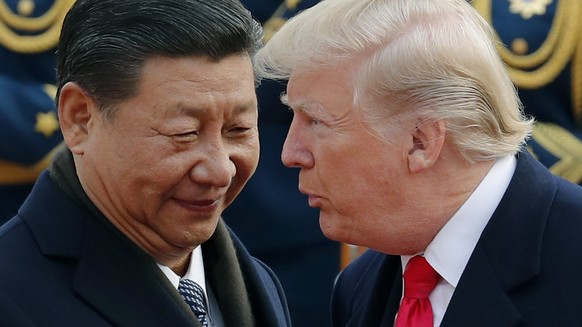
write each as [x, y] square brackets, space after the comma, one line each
[157, 107]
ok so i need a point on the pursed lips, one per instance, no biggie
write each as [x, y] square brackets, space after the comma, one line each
[312, 198]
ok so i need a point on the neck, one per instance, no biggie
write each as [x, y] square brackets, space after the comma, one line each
[446, 187]
[180, 267]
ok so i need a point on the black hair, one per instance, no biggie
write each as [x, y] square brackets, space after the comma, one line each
[104, 43]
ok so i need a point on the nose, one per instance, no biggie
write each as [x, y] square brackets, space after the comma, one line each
[295, 153]
[214, 168]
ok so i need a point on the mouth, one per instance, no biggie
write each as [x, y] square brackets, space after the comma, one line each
[312, 199]
[200, 207]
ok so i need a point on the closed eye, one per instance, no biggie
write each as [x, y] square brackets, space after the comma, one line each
[186, 136]
[239, 129]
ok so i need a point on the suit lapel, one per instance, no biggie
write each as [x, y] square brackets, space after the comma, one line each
[113, 276]
[377, 303]
[479, 298]
[508, 253]
[393, 302]
[124, 285]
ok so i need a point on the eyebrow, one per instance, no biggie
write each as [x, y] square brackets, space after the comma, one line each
[309, 108]
[284, 99]
[196, 111]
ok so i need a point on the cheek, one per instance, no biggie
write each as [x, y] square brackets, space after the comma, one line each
[245, 166]
[157, 176]
[357, 183]
[246, 157]
[245, 161]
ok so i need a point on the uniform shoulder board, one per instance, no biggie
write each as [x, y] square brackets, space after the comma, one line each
[31, 26]
[540, 41]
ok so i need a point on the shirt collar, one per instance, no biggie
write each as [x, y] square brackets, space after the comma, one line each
[449, 252]
[195, 270]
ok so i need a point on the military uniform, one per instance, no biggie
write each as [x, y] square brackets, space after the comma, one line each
[270, 216]
[541, 43]
[29, 130]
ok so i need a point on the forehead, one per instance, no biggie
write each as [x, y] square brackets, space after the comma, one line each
[197, 82]
[202, 71]
[192, 86]
[323, 93]
[320, 82]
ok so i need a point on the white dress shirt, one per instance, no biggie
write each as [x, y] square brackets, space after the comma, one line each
[196, 273]
[450, 250]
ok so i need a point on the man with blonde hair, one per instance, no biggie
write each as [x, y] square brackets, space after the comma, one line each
[410, 136]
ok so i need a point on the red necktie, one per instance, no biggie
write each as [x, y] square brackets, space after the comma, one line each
[419, 280]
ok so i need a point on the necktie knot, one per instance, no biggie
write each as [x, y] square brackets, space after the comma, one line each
[193, 294]
[419, 278]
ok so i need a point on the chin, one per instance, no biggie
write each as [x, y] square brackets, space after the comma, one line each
[209, 228]
[331, 231]
[195, 233]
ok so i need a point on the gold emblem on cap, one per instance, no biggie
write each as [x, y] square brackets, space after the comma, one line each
[528, 8]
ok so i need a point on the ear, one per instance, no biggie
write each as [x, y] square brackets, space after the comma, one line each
[427, 143]
[75, 110]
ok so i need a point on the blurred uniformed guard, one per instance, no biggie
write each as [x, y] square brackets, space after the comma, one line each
[541, 43]
[270, 215]
[29, 131]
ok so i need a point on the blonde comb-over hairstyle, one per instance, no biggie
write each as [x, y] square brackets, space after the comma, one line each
[426, 60]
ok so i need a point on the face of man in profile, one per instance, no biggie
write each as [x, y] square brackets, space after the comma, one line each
[357, 180]
[175, 155]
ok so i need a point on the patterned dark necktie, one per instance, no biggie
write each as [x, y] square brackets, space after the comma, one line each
[419, 281]
[193, 294]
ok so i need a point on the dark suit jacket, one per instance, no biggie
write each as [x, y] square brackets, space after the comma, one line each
[526, 269]
[78, 270]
